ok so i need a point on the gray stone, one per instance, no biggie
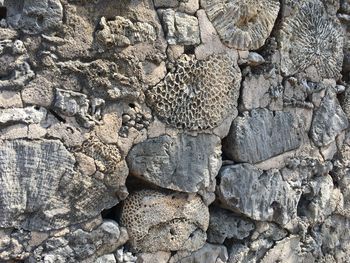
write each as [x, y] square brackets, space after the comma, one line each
[185, 163]
[261, 135]
[180, 28]
[329, 121]
[26, 115]
[243, 189]
[225, 224]
[209, 253]
[39, 189]
[109, 258]
[157, 257]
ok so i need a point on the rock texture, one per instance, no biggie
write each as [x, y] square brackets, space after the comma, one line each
[260, 135]
[180, 223]
[174, 131]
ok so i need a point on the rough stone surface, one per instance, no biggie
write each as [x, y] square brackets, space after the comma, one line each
[261, 134]
[165, 221]
[199, 94]
[242, 189]
[184, 163]
[329, 121]
[242, 25]
[227, 121]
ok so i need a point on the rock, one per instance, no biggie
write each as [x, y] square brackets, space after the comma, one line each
[109, 258]
[123, 32]
[303, 45]
[180, 28]
[10, 99]
[242, 25]
[261, 135]
[329, 121]
[38, 92]
[82, 246]
[184, 163]
[157, 257]
[26, 115]
[208, 253]
[125, 256]
[166, 3]
[189, 6]
[226, 225]
[40, 189]
[287, 250]
[204, 94]
[165, 221]
[255, 59]
[242, 189]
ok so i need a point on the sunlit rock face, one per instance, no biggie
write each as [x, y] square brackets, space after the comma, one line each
[174, 131]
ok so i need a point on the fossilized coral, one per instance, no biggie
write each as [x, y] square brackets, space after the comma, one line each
[242, 24]
[123, 32]
[165, 221]
[312, 38]
[199, 94]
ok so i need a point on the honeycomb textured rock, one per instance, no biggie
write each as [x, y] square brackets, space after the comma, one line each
[199, 94]
[165, 221]
[242, 24]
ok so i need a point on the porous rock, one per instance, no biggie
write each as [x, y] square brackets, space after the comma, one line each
[184, 163]
[226, 225]
[260, 135]
[165, 221]
[242, 190]
[199, 94]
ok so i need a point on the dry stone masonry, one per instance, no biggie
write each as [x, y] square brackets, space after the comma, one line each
[174, 131]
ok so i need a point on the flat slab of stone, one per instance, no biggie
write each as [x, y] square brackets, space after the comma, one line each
[261, 135]
[184, 163]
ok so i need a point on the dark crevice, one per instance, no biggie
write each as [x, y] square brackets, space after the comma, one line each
[3, 12]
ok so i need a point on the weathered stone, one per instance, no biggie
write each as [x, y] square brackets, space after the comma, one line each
[26, 115]
[157, 257]
[185, 163]
[10, 99]
[180, 28]
[40, 189]
[208, 253]
[261, 135]
[225, 224]
[329, 121]
[165, 221]
[243, 189]
[288, 250]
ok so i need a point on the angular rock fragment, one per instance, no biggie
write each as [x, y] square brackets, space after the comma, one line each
[225, 224]
[180, 28]
[123, 32]
[34, 16]
[26, 115]
[329, 121]
[208, 253]
[165, 221]
[199, 94]
[261, 135]
[184, 163]
[311, 38]
[263, 196]
[39, 189]
[287, 250]
[83, 246]
[242, 25]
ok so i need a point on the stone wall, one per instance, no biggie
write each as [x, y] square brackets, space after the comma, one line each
[164, 131]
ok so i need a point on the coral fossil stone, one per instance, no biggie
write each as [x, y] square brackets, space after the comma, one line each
[241, 24]
[165, 221]
[312, 38]
[199, 95]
